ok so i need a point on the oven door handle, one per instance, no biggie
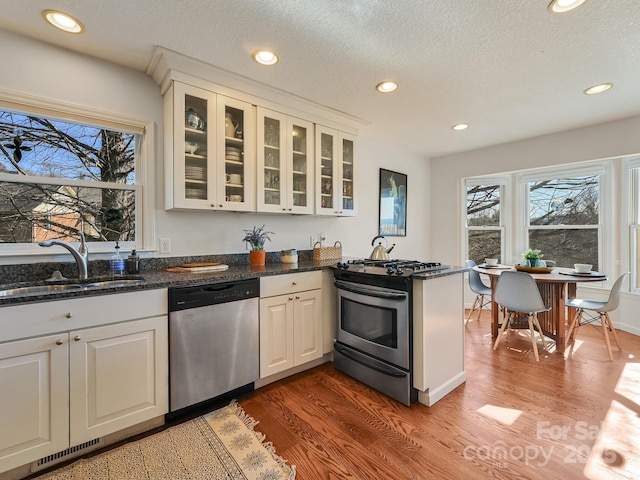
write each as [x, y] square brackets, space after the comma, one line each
[362, 361]
[350, 287]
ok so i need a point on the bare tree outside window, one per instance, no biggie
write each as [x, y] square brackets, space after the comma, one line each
[58, 178]
[564, 219]
[484, 230]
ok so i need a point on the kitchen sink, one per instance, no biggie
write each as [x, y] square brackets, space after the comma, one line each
[121, 282]
[33, 290]
[38, 290]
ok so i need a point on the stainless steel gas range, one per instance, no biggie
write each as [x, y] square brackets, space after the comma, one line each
[375, 315]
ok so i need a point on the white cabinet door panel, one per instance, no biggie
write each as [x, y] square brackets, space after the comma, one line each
[119, 376]
[276, 334]
[307, 326]
[34, 403]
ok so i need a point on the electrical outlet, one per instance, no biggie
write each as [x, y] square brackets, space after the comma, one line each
[165, 245]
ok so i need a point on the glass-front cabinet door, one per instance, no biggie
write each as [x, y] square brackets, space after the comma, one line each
[213, 145]
[285, 163]
[335, 172]
[346, 157]
[236, 158]
[190, 171]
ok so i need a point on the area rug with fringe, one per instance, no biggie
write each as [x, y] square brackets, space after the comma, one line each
[219, 445]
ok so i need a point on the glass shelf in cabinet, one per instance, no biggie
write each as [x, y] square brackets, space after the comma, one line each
[195, 156]
[195, 131]
[234, 140]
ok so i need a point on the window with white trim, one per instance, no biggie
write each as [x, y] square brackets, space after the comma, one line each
[61, 176]
[634, 224]
[484, 220]
[563, 215]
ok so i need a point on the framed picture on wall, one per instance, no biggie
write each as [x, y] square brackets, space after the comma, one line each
[393, 204]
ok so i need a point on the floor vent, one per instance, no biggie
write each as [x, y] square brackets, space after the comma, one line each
[64, 455]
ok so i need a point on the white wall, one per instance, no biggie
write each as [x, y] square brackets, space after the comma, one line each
[602, 141]
[41, 70]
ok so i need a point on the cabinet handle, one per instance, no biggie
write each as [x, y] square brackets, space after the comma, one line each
[221, 205]
[77, 338]
[290, 209]
[68, 314]
[213, 205]
[297, 298]
[284, 209]
[290, 299]
[293, 283]
[59, 342]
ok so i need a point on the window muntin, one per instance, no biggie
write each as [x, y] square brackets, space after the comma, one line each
[564, 219]
[60, 177]
[484, 222]
[634, 226]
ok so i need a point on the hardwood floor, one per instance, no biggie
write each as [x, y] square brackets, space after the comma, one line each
[571, 416]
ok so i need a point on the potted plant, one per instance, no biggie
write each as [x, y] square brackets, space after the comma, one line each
[532, 257]
[257, 238]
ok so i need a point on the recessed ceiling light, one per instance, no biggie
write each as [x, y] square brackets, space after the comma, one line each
[460, 126]
[265, 57]
[63, 21]
[386, 87]
[561, 6]
[601, 87]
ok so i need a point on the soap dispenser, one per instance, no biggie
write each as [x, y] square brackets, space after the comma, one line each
[133, 263]
[116, 263]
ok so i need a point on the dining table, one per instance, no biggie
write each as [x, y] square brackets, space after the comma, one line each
[556, 286]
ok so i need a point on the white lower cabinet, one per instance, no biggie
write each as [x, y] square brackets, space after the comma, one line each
[114, 377]
[68, 387]
[290, 321]
[34, 403]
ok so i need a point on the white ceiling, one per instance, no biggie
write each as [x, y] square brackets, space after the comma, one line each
[507, 67]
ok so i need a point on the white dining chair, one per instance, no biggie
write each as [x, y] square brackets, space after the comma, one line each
[481, 290]
[601, 314]
[518, 293]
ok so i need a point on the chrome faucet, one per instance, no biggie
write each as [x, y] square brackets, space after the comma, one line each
[81, 254]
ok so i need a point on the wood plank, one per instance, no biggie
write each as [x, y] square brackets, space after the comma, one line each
[331, 426]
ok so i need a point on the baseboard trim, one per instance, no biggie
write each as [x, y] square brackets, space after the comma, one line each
[432, 395]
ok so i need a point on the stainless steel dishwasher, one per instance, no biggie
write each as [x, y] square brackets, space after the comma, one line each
[213, 340]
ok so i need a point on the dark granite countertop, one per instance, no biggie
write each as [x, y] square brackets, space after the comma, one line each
[454, 270]
[160, 278]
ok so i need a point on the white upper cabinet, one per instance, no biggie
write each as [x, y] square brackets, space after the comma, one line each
[236, 155]
[236, 151]
[335, 172]
[204, 167]
[285, 160]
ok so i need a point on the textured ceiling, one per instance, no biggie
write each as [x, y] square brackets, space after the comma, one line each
[507, 67]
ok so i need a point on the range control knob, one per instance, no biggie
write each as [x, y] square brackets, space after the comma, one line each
[390, 271]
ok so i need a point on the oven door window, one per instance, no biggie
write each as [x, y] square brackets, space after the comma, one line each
[375, 324]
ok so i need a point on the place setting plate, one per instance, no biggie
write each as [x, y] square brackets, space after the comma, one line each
[591, 274]
[499, 266]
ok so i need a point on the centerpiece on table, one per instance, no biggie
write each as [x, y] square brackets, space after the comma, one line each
[532, 258]
[257, 238]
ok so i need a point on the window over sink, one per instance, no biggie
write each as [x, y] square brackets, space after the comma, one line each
[63, 173]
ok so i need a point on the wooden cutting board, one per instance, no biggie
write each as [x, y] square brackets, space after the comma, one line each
[199, 267]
